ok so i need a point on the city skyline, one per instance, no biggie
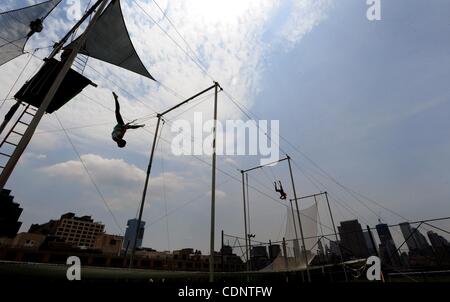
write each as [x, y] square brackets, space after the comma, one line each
[383, 150]
[224, 148]
[348, 230]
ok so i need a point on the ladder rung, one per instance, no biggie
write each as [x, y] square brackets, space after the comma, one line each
[10, 143]
[23, 123]
[26, 112]
[18, 133]
[4, 154]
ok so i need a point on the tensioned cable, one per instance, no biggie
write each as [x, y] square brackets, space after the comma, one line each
[173, 40]
[326, 174]
[90, 176]
[15, 82]
[124, 89]
[197, 60]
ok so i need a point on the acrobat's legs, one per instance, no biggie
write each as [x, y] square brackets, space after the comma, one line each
[118, 116]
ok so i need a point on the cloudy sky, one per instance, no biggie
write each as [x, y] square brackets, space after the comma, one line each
[363, 107]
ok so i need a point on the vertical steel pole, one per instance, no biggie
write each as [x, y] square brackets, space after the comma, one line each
[144, 193]
[299, 220]
[213, 189]
[337, 239]
[23, 143]
[221, 253]
[245, 221]
[295, 225]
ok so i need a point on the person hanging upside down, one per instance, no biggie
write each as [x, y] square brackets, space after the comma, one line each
[280, 190]
[120, 129]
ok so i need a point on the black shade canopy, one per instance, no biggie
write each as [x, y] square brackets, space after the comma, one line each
[110, 42]
[34, 91]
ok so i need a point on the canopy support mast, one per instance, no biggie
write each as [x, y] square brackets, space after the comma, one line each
[24, 141]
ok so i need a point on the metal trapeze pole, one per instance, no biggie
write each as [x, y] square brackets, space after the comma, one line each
[245, 221]
[213, 189]
[299, 220]
[337, 239]
[149, 167]
[56, 48]
[144, 193]
[243, 190]
[67, 63]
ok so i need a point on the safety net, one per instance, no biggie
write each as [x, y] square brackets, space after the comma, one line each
[17, 26]
[290, 254]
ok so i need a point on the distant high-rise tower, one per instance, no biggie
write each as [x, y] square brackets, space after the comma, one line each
[437, 240]
[440, 246]
[415, 241]
[352, 239]
[9, 215]
[388, 250]
[130, 234]
[407, 232]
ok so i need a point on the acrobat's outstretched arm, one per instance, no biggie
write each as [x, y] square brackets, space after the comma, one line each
[134, 126]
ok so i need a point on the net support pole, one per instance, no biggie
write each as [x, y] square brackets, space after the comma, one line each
[299, 220]
[245, 221]
[372, 241]
[144, 193]
[221, 253]
[295, 224]
[213, 188]
[23, 143]
[286, 263]
[337, 240]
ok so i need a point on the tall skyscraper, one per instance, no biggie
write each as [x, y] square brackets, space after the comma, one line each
[130, 234]
[353, 242]
[384, 233]
[407, 232]
[437, 241]
[9, 215]
[369, 243]
[416, 242]
[388, 250]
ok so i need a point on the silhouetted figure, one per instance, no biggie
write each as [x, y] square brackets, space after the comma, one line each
[120, 129]
[280, 190]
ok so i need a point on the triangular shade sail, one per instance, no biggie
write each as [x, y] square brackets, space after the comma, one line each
[109, 41]
[15, 28]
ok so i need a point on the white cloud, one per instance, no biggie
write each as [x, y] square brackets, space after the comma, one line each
[120, 182]
[227, 36]
[306, 14]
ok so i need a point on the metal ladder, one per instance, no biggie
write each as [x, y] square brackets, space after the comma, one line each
[80, 62]
[15, 133]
